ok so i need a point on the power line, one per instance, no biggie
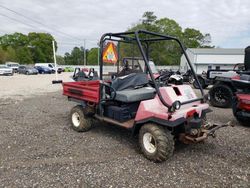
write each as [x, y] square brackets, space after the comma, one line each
[38, 22]
[17, 20]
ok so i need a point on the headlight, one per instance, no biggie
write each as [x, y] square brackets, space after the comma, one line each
[176, 105]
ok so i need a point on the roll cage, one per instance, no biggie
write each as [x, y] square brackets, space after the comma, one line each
[148, 37]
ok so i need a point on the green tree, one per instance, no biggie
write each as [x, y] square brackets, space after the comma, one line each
[92, 58]
[3, 55]
[60, 60]
[167, 52]
[76, 57]
[192, 38]
[41, 46]
[37, 47]
[15, 40]
[24, 55]
[11, 54]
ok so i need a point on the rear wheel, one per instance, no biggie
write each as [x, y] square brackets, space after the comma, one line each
[79, 121]
[156, 143]
[221, 96]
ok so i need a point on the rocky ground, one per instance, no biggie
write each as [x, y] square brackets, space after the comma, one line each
[40, 149]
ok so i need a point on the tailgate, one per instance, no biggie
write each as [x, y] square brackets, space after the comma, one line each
[83, 90]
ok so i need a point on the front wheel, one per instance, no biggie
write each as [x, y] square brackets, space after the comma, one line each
[79, 121]
[156, 143]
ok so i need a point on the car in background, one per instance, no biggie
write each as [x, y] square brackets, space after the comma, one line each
[43, 70]
[51, 66]
[27, 70]
[69, 69]
[13, 65]
[5, 70]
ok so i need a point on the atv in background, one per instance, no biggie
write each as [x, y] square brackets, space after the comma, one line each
[84, 74]
[223, 90]
[241, 102]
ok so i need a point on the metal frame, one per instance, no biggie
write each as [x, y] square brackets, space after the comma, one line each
[134, 37]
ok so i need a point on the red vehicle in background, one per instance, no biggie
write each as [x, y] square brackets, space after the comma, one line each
[241, 102]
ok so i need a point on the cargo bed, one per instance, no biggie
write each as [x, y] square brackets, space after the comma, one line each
[83, 90]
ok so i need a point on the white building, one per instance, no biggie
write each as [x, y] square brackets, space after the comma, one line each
[204, 59]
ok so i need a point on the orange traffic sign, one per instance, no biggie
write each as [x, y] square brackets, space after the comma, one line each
[110, 53]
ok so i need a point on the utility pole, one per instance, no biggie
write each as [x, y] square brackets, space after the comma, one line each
[54, 55]
[84, 52]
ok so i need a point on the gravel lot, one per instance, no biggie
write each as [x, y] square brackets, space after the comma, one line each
[22, 86]
[39, 149]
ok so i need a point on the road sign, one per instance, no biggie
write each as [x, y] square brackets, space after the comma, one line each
[110, 53]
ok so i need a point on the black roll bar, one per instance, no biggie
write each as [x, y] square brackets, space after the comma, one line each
[126, 37]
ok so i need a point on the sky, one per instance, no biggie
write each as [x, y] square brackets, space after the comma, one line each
[73, 21]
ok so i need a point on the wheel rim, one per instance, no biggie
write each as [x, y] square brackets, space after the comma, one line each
[221, 96]
[76, 119]
[149, 142]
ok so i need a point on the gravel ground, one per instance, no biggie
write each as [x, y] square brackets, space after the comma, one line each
[22, 86]
[39, 149]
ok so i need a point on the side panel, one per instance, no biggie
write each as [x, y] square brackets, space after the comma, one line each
[153, 108]
[83, 90]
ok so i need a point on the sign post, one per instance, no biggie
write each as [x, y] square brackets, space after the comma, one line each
[56, 81]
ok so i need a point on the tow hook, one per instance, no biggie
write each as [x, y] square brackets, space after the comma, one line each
[207, 130]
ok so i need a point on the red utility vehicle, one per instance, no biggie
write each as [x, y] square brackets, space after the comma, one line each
[159, 113]
[241, 101]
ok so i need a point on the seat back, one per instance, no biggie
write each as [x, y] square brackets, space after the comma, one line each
[131, 81]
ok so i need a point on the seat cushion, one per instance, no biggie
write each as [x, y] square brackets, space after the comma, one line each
[134, 95]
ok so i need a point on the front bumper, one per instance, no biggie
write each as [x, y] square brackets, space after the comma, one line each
[198, 135]
[6, 72]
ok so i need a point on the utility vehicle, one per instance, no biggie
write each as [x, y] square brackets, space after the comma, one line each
[158, 113]
[223, 90]
[241, 100]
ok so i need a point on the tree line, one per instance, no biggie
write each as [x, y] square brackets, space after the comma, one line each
[26, 49]
[37, 47]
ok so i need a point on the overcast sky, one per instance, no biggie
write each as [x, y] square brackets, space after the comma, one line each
[228, 22]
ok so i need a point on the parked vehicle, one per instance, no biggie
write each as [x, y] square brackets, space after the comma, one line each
[51, 66]
[26, 70]
[43, 70]
[13, 65]
[69, 69]
[5, 70]
[223, 90]
[159, 114]
[241, 101]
